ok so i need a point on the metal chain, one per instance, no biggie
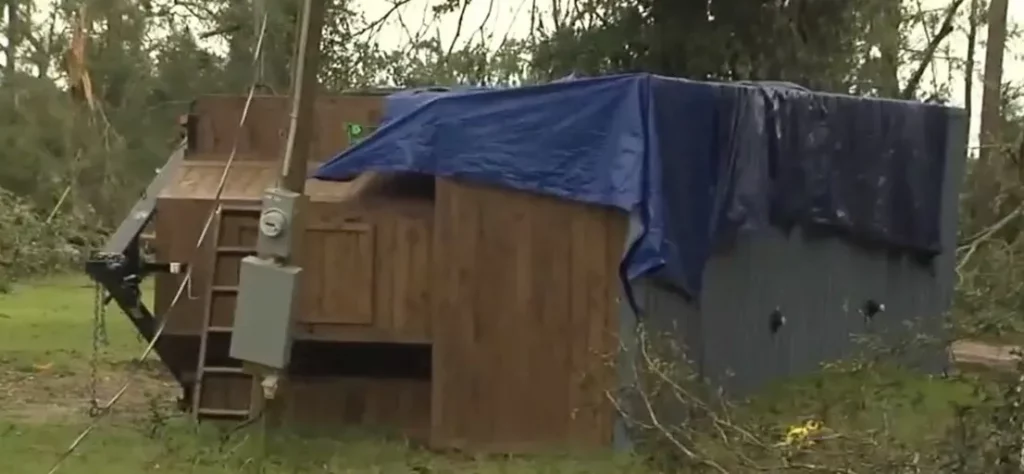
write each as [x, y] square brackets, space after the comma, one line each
[101, 320]
[94, 360]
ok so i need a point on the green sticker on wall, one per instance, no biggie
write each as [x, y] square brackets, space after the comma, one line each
[357, 132]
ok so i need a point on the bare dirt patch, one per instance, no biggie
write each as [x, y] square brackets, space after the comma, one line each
[47, 394]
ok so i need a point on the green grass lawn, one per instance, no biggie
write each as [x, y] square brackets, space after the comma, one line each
[45, 348]
[51, 323]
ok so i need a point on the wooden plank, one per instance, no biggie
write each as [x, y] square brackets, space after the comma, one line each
[592, 267]
[224, 392]
[178, 223]
[606, 343]
[263, 136]
[341, 262]
[385, 263]
[551, 344]
[411, 279]
[350, 333]
[455, 245]
[335, 402]
[498, 262]
[518, 309]
[246, 181]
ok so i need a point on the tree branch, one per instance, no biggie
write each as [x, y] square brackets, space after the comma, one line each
[929, 53]
[458, 29]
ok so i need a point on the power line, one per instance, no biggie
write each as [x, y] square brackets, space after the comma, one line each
[106, 408]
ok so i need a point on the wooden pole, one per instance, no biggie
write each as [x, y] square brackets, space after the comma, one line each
[304, 85]
[293, 178]
[259, 10]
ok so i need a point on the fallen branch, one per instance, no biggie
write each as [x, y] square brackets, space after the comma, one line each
[986, 235]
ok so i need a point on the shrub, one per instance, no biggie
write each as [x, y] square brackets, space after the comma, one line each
[33, 245]
[870, 413]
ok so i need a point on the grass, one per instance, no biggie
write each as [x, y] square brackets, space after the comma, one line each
[915, 407]
[51, 323]
[45, 344]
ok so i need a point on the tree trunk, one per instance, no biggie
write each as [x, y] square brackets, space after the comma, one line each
[989, 166]
[13, 38]
[972, 44]
[889, 47]
[991, 100]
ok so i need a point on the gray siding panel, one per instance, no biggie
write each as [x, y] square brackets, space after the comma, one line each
[819, 283]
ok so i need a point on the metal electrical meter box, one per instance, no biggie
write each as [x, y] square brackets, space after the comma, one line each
[263, 314]
[277, 218]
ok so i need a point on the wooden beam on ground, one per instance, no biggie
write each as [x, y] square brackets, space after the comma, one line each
[994, 356]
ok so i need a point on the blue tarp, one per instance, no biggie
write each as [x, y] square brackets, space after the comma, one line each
[692, 162]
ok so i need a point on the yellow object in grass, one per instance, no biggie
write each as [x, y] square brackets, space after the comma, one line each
[798, 435]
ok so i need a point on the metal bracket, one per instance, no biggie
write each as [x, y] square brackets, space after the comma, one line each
[120, 267]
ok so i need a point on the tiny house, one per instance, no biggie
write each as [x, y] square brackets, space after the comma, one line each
[475, 269]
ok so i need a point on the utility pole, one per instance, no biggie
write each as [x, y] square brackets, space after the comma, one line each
[259, 11]
[268, 293]
[304, 84]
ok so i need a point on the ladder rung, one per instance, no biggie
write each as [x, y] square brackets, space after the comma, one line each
[223, 412]
[223, 370]
[224, 289]
[235, 249]
[230, 209]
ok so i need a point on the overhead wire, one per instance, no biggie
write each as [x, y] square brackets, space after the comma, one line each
[106, 409]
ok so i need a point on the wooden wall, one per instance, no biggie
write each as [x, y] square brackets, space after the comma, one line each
[517, 293]
[330, 403]
[366, 259]
[266, 128]
[525, 319]
[366, 273]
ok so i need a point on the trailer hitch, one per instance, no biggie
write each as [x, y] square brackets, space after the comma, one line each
[127, 274]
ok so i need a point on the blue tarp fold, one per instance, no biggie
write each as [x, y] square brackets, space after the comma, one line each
[693, 162]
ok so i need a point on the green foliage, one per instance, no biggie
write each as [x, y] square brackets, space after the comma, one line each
[147, 60]
[870, 413]
[990, 266]
[824, 45]
[31, 246]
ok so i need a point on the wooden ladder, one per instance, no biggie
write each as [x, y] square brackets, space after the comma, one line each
[222, 389]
